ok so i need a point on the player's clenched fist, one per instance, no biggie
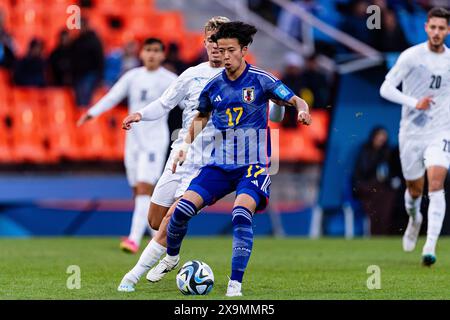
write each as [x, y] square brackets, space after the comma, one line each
[134, 117]
[180, 156]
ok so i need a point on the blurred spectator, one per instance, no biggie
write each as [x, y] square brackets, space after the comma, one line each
[390, 38]
[292, 74]
[30, 70]
[265, 8]
[371, 181]
[130, 58]
[119, 61]
[60, 61]
[173, 61]
[315, 88]
[87, 64]
[355, 22]
[6, 45]
[290, 23]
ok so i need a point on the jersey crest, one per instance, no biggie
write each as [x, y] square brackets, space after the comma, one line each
[248, 94]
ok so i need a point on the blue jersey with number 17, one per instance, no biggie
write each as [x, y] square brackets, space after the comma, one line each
[240, 115]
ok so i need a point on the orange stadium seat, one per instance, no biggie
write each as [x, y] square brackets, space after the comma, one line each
[60, 117]
[6, 9]
[317, 131]
[110, 6]
[5, 87]
[294, 146]
[59, 109]
[116, 134]
[64, 143]
[142, 25]
[6, 155]
[28, 127]
[191, 45]
[94, 140]
[142, 4]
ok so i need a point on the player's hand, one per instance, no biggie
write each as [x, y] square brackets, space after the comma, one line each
[134, 117]
[83, 119]
[180, 156]
[424, 103]
[304, 117]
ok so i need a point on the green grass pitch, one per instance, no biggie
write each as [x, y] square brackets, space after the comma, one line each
[292, 268]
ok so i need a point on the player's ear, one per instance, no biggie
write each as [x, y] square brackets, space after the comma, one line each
[244, 51]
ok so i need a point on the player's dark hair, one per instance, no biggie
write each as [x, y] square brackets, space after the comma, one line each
[236, 30]
[439, 12]
[150, 41]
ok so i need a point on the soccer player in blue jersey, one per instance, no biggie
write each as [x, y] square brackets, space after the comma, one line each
[237, 100]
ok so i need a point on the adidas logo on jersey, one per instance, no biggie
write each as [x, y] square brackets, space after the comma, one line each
[218, 99]
[255, 182]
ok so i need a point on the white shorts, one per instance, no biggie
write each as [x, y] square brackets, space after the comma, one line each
[144, 166]
[171, 186]
[419, 153]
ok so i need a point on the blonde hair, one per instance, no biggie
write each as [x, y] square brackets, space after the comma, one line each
[215, 22]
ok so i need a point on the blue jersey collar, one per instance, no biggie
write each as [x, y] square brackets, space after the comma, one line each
[239, 79]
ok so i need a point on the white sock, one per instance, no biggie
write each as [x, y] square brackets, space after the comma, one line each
[140, 222]
[151, 254]
[152, 231]
[436, 214]
[412, 205]
[172, 259]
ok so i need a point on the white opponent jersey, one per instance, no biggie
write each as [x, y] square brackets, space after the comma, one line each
[423, 73]
[141, 86]
[185, 92]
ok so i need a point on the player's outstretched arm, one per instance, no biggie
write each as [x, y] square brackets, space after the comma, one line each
[197, 125]
[116, 94]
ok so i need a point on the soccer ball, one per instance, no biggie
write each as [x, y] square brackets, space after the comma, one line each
[195, 278]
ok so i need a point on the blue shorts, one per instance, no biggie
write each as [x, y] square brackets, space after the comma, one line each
[214, 183]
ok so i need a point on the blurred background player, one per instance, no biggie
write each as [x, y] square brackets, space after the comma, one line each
[146, 145]
[237, 100]
[424, 72]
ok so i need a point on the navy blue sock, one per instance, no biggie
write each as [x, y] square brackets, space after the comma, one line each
[177, 228]
[242, 242]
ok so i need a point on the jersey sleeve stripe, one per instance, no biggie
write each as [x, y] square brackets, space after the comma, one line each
[262, 74]
[265, 72]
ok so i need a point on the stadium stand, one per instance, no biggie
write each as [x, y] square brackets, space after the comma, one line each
[39, 124]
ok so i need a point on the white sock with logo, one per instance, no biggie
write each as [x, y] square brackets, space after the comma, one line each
[151, 254]
[139, 222]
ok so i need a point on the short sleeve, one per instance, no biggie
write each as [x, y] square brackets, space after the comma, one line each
[204, 101]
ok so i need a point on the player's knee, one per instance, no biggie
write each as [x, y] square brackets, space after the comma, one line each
[144, 189]
[415, 191]
[154, 222]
